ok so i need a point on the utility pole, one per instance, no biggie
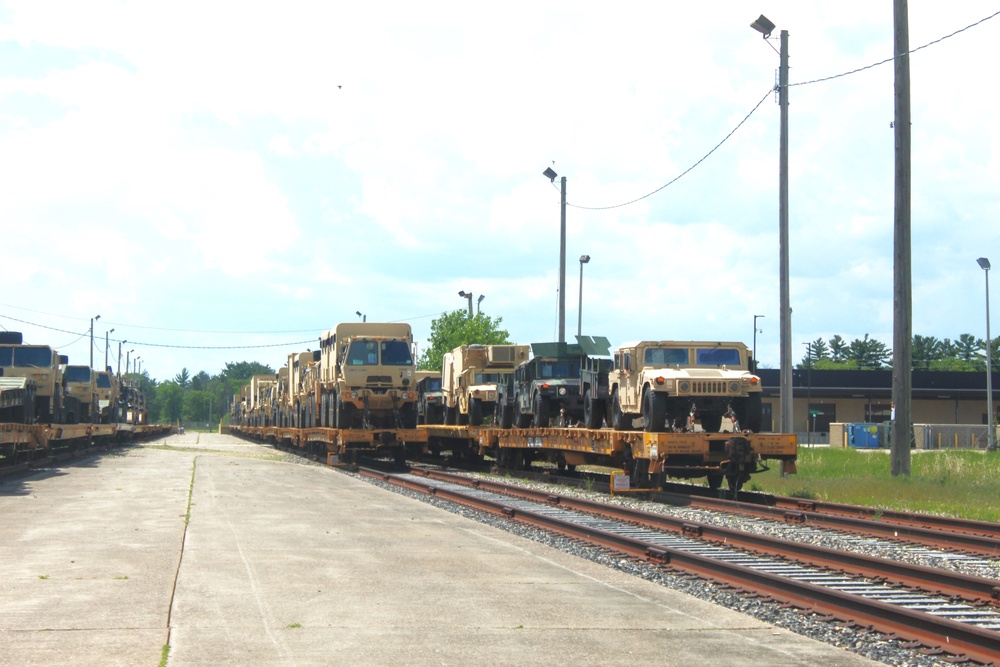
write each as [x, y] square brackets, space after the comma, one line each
[785, 316]
[902, 293]
[562, 262]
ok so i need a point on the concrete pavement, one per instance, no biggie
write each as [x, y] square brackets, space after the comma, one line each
[287, 564]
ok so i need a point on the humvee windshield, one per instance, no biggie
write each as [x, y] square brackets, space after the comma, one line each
[489, 378]
[665, 355]
[718, 356]
[432, 384]
[26, 356]
[548, 369]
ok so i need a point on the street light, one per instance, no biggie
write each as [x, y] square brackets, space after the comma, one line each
[755, 332]
[364, 318]
[584, 259]
[136, 367]
[991, 446]
[120, 360]
[467, 295]
[479, 301]
[92, 320]
[765, 27]
[551, 175]
[126, 360]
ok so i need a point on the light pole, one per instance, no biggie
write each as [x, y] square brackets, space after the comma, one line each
[467, 295]
[479, 302]
[584, 259]
[991, 442]
[755, 332]
[127, 362]
[92, 320]
[120, 360]
[551, 175]
[809, 388]
[106, 346]
[765, 27]
[137, 358]
[364, 318]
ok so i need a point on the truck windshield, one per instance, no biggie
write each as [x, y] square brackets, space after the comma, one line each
[663, 356]
[40, 357]
[560, 370]
[718, 356]
[362, 352]
[77, 374]
[396, 353]
[433, 384]
[104, 381]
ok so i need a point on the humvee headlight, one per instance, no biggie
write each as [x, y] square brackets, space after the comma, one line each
[685, 385]
[562, 391]
[734, 387]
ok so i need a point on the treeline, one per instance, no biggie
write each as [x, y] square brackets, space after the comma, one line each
[200, 399]
[928, 353]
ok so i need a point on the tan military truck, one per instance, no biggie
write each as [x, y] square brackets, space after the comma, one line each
[79, 395]
[469, 378]
[367, 378]
[42, 365]
[262, 390]
[672, 385]
[106, 388]
[302, 388]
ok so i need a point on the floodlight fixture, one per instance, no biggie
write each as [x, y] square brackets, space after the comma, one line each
[550, 174]
[763, 25]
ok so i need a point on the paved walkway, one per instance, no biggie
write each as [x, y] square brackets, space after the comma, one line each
[287, 564]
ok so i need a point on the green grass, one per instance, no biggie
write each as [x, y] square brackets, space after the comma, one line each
[953, 482]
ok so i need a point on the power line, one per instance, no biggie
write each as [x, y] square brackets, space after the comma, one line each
[775, 89]
[889, 60]
[682, 174]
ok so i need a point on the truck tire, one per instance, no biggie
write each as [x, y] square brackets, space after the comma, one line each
[523, 420]
[476, 412]
[591, 411]
[618, 421]
[654, 412]
[541, 416]
[506, 419]
[711, 422]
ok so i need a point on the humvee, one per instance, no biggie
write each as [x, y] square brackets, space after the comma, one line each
[565, 381]
[469, 378]
[673, 384]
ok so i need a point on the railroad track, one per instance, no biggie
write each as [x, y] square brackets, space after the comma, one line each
[944, 611]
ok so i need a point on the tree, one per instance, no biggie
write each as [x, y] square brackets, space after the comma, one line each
[456, 328]
[200, 381]
[170, 402]
[838, 349]
[183, 379]
[967, 348]
[925, 350]
[869, 353]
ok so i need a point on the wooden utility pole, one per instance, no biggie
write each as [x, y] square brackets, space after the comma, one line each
[902, 293]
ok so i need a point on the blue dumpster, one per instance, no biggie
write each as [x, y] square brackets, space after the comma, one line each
[862, 436]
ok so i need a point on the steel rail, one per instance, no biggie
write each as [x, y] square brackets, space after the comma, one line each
[978, 590]
[942, 633]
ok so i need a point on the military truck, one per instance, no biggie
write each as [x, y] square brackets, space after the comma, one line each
[106, 390]
[367, 377]
[302, 385]
[469, 378]
[562, 381]
[79, 395]
[262, 392]
[672, 385]
[430, 398]
[42, 365]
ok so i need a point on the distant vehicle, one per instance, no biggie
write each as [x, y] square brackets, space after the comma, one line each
[79, 395]
[106, 389]
[672, 385]
[430, 398]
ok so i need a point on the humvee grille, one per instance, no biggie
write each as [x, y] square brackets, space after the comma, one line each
[708, 387]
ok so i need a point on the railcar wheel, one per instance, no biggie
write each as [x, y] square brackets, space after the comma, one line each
[654, 412]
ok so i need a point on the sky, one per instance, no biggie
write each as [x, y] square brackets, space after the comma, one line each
[225, 181]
